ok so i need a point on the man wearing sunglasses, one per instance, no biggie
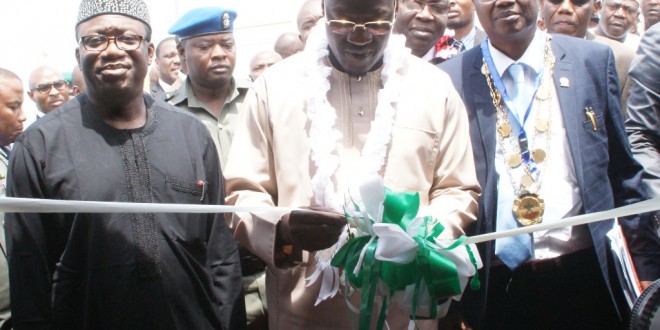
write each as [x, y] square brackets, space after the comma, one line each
[355, 104]
[550, 143]
[117, 144]
[571, 17]
[48, 89]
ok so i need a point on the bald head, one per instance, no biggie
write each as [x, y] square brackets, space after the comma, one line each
[48, 89]
[8, 75]
[36, 76]
[261, 61]
[310, 12]
[287, 44]
[11, 107]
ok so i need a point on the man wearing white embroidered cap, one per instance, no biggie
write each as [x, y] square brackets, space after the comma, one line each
[115, 143]
[355, 103]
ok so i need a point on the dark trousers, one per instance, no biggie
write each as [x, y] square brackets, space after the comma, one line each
[568, 293]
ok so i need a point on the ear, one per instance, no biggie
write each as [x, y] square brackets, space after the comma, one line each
[77, 54]
[151, 51]
[597, 6]
[181, 50]
[31, 95]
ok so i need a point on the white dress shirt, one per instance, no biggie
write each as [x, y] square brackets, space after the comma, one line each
[559, 188]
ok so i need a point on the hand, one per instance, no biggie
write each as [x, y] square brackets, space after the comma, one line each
[311, 229]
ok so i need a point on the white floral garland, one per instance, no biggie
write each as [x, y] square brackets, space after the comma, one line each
[323, 136]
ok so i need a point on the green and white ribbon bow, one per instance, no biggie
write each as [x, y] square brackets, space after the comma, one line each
[396, 248]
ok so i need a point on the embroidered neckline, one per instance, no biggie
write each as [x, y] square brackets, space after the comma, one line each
[323, 135]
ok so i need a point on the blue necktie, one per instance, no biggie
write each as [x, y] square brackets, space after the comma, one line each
[514, 250]
[519, 94]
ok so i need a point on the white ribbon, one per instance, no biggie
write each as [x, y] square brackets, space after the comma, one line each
[636, 208]
[34, 205]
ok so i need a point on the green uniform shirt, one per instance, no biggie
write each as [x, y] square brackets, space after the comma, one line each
[221, 129]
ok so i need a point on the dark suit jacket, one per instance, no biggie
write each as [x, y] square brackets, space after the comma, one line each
[606, 172]
[157, 92]
[643, 124]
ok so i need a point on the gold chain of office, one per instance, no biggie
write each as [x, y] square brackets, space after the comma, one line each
[528, 207]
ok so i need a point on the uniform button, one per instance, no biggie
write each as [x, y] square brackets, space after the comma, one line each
[360, 112]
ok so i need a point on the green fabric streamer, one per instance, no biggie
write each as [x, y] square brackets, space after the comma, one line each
[438, 272]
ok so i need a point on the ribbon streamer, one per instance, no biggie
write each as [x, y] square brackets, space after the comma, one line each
[649, 205]
[35, 205]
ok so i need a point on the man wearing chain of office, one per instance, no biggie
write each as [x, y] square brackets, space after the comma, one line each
[549, 142]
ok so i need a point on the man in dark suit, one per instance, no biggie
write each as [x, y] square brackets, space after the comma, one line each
[168, 65]
[461, 19]
[643, 123]
[461, 32]
[549, 142]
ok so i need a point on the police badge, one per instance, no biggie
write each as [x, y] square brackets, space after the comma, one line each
[225, 20]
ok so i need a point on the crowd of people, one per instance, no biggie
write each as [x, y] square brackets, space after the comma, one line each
[500, 114]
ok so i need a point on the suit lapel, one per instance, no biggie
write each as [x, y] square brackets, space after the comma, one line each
[485, 115]
[567, 86]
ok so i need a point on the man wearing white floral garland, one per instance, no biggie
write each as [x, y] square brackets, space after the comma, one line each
[354, 103]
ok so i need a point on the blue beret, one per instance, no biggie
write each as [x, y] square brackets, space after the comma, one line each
[200, 21]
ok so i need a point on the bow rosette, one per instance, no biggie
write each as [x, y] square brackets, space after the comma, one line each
[398, 255]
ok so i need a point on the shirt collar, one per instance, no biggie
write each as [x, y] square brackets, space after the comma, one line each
[192, 99]
[533, 56]
[468, 40]
[4, 151]
[166, 87]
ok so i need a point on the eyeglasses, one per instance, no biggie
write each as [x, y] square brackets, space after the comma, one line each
[375, 28]
[44, 88]
[436, 8]
[628, 8]
[98, 43]
[574, 2]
